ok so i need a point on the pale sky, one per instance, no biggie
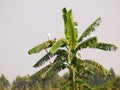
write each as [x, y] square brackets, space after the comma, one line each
[23, 25]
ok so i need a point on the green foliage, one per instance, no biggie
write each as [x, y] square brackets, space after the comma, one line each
[4, 83]
[42, 46]
[55, 67]
[112, 74]
[58, 44]
[56, 82]
[105, 46]
[113, 84]
[95, 67]
[40, 72]
[71, 32]
[43, 60]
[64, 52]
[90, 29]
[1, 86]
[26, 83]
[87, 43]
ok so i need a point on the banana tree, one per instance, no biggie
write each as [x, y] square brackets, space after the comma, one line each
[65, 50]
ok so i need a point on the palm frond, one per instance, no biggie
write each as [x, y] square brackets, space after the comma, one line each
[43, 60]
[58, 44]
[95, 67]
[87, 43]
[41, 46]
[90, 29]
[106, 46]
[71, 33]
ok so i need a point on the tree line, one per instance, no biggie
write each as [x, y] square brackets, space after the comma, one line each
[95, 82]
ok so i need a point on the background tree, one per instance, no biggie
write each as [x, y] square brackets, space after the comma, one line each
[65, 50]
[4, 83]
[1, 86]
[111, 82]
[19, 83]
[26, 83]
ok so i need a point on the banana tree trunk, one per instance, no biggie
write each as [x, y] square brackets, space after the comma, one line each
[72, 77]
[71, 56]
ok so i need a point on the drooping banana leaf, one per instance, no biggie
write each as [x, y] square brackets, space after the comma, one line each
[43, 60]
[91, 42]
[95, 67]
[48, 56]
[41, 71]
[57, 66]
[58, 44]
[71, 33]
[105, 46]
[90, 29]
[62, 53]
[41, 46]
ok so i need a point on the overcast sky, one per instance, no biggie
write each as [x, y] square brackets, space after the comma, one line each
[23, 25]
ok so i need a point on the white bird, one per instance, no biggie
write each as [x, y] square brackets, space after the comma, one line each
[48, 34]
